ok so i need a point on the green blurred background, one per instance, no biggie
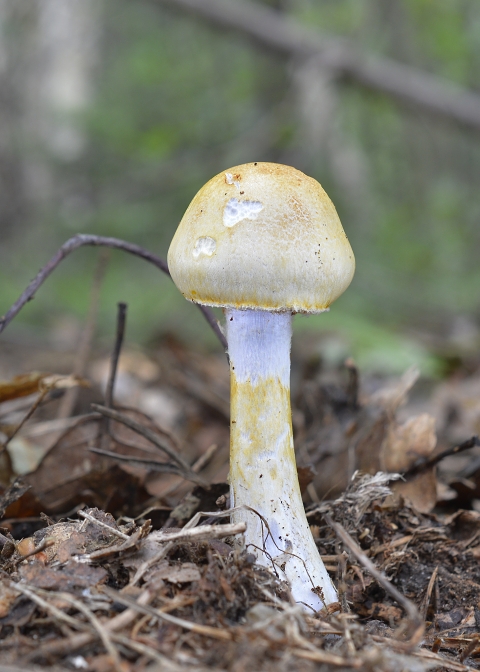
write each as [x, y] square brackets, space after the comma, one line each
[114, 113]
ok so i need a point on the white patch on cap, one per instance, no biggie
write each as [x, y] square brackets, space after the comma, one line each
[204, 246]
[235, 211]
[229, 180]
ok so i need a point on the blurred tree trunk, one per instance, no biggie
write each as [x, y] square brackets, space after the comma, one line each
[12, 195]
[48, 50]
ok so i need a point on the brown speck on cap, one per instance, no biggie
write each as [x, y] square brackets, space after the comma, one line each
[264, 244]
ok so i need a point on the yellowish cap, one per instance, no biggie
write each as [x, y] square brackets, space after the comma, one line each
[262, 236]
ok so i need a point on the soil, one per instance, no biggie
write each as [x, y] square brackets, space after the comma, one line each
[107, 561]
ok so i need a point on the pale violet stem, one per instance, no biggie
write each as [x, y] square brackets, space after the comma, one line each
[263, 472]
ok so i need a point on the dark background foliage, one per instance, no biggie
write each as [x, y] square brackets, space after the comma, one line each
[113, 114]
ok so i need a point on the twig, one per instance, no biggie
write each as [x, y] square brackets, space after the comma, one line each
[31, 593]
[36, 668]
[430, 462]
[326, 658]
[100, 629]
[197, 466]
[68, 402]
[63, 646]
[470, 648]
[120, 333]
[207, 630]
[154, 465]
[45, 385]
[205, 458]
[202, 533]
[13, 492]
[57, 425]
[26, 417]
[402, 541]
[145, 566]
[45, 543]
[277, 617]
[167, 665]
[416, 623]
[121, 320]
[163, 467]
[97, 241]
[112, 530]
[35, 595]
[353, 384]
[147, 434]
[442, 663]
[428, 595]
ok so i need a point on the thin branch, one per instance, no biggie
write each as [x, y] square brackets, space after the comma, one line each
[149, 435]
[69, 400]
[121, 320]
[114, 359]
[26, 417]
[80, 240]
[201, 533]
[154, 465]
[145, 566]
[280, 33]
[427, 463]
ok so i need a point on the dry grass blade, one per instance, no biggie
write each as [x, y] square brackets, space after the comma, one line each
[37, 595]
[30, 668]
[403, 541]
[100, 629]
[148, 652]
[443, 663]
[470, 648]
[326, 658]
[32, 594]
[207, 630]
[428, 595]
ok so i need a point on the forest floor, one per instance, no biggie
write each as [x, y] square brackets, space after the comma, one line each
[112, 559]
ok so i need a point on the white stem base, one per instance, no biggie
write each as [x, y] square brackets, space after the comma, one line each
[263, 473]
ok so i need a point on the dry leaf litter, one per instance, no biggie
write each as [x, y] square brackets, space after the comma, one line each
[117, 552]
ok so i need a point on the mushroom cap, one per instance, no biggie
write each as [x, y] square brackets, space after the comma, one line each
[262, 236]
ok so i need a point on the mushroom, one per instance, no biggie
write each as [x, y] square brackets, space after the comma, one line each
[264, 241]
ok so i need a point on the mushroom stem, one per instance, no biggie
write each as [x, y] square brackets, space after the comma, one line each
[263, 473]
